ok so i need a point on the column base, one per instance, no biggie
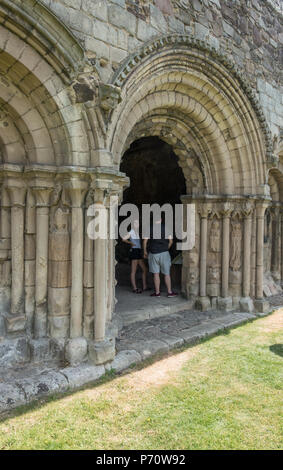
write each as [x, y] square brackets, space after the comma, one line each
[246, 304]
[203, 304]
[76, 351]
[225, 303]
[15, 323]
[262, 307]
[101, 352]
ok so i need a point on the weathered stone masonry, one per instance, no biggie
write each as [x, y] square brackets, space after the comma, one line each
[80, 81]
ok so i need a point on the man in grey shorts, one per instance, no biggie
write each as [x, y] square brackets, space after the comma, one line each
[157, 252]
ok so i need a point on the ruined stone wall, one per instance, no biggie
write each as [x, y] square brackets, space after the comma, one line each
[250, 31]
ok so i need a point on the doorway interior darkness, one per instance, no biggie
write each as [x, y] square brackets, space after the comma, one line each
[155, 177]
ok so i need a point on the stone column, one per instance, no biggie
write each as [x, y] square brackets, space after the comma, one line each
[5, 249]
[260, 304]
[226, 212]
[76, 348]
[41, 265]
[30, 261]
[41, 181]
[281, 213]
[246, 302]
[203, 301]
[16, 187]
[247, 250]
[88, 309]
[103, 349]
[253, 256]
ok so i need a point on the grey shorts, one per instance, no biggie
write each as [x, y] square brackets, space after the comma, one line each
[159, 262]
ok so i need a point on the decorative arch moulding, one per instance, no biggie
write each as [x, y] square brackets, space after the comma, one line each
[53, 40]
[176, 40]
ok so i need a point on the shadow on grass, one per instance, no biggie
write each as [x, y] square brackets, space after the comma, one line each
[277, 349]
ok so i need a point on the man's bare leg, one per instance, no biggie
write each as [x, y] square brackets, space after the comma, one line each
[167, 280]
[156, 279]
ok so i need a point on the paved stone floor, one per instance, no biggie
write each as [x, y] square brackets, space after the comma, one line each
[135, 343]
[138, 307]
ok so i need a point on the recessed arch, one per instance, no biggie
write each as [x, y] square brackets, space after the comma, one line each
[217, 112]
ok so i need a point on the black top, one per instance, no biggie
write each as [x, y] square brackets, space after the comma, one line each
[158, 245]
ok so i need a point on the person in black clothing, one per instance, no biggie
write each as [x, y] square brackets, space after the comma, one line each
[159, 259]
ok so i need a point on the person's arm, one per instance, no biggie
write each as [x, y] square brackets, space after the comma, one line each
[170, 238]
[126, 239]
[145, 254]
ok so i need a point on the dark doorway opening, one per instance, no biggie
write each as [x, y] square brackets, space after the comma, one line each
[155, 177]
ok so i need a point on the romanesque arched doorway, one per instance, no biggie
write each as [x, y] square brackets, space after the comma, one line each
[195, 100]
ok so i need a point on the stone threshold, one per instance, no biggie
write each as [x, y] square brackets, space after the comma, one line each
[48, 381]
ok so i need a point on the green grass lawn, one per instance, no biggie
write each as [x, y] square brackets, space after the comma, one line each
[225, 393]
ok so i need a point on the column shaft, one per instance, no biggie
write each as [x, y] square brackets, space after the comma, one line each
[225, 255]
[77, 272]
[203, 255]
[41, 269]
[247, 256]
[100, 306]
[17, 245]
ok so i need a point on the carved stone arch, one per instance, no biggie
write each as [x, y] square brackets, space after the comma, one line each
[36, 83]
[169, 73]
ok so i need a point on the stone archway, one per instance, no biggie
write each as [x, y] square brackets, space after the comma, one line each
[195, 99]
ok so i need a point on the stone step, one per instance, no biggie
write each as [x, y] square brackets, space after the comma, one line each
[159, 307]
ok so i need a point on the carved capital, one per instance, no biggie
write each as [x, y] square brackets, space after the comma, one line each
[76, 190]
[247, 210]
[226, 210]
[109, 97]
[204, 211]
[261, 207]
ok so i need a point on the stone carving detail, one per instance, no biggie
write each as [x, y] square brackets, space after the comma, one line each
[190, 42]
[236, 246]
[214, 239]
[59, 250]
[109, 97]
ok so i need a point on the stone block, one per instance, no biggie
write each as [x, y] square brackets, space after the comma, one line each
[76, 351]
[225, 303]
[203, 304]
[40, 349]
[43, 384]
[2, 327]
[201, 32]
[157, 19]
[14, 352]
[246, 304]
[262, 306]
[102, 351]
[79, 376]
[5, 293]
[15, 323]
[59, 326]
[122, 19]
[10, 396]
[58, 301]
[123, 360]
[96, 9]
[59, 274]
